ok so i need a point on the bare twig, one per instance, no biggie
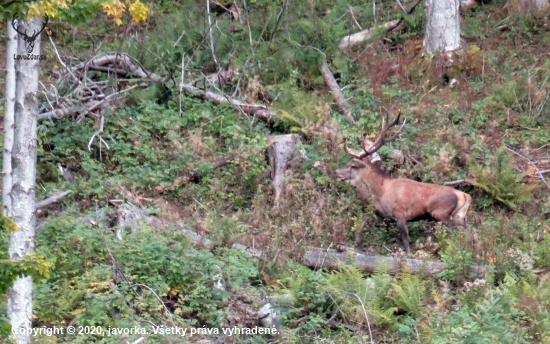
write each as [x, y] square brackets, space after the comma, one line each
[353, 16]
[541, 147]
[66, 68]
[532, 164]
[158, 298]
[366, 317]
[210, 32]
[98, 134]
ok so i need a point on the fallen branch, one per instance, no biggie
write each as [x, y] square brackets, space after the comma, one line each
[369, 263]
[455, 182]
[92, 106]
[540, 175]
[120, 62]
[51, 199]
[260, 112]
[337, 92]
[362, 36]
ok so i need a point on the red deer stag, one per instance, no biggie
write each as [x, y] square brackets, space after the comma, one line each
[401, 199]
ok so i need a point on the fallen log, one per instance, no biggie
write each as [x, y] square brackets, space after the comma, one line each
[334, 260]
[339, 98]
[362, 36]
[280, 149]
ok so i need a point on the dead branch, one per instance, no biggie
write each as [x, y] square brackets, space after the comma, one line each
[334, 260]
[51, 199]
[455, 182]
[337, 92]
[260, 112]
[98, 135]
[118, 61]
[362, 36]
[540, 175]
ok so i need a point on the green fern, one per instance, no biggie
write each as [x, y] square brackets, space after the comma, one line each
[500, 181]
[362, 301]
[407, 294]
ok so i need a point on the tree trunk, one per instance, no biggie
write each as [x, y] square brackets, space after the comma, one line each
[527, 7]
[9, 117]
[22, 242]
[442, 26]
[280, 149]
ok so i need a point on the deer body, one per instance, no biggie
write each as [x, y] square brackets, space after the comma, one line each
[401, 199]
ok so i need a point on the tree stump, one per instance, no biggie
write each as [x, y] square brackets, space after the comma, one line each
[280, 150]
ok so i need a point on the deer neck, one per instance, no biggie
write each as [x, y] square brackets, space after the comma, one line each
[370, 186]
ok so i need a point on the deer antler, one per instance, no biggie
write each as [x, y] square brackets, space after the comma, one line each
[15, 27]
[355, 155]
[37, 32]
[381, 139]
[34, 34]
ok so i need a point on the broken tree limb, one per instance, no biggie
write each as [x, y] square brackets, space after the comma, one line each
[369, 263]
[339, 98]
[51, 199]
[261, 112]
[118, 63]
[362, 36]
[280, 149]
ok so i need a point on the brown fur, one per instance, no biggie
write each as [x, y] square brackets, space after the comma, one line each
[403, 199]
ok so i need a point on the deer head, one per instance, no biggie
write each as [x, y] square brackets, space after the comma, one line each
[29, 40]
[350, 172]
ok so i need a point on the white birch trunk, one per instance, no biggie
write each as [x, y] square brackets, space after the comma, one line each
[22, 242]
[527, 7]
[442, 26]
[11, 49]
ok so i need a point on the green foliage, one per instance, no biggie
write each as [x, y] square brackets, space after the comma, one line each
[501, 181]
[362, 301]
[408, 294]
[493, 319]
[84, 283]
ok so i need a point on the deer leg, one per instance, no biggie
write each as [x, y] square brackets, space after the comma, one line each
[359, 230]
[402, 225]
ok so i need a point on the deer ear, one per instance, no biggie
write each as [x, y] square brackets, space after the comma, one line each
[359, 163]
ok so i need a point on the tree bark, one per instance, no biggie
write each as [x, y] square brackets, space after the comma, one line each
[9, 117]
[280, 149]
[527, 7]
[22, 242]
[442, 26]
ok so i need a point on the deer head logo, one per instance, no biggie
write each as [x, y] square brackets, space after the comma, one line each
[29, 40]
